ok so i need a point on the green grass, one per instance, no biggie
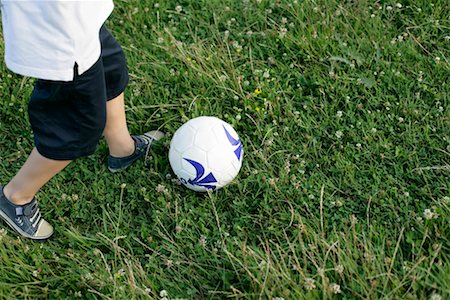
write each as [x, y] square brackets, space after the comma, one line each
[343, 109]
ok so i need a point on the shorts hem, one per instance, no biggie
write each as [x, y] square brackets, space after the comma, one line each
[116, 92]
[58, 155]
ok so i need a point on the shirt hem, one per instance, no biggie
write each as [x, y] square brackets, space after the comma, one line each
[56, 75]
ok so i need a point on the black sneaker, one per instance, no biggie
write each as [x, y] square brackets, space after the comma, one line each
[25, 219]
[142, 146]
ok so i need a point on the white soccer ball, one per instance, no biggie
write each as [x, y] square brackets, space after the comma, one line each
[205, 154]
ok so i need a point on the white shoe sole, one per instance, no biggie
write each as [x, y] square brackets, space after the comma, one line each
[19, 230]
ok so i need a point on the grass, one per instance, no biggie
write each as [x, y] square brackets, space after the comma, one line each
[343, 109]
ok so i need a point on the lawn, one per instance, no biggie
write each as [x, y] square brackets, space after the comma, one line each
[344, 193]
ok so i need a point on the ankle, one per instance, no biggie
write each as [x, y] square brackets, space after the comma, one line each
[17, 198]
[122, 149]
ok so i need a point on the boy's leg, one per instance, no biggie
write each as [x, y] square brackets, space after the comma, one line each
[116, 132]
[18, 206]
[124, 149]
[36, 172]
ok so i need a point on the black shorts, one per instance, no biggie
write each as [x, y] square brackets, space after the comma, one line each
[68, 118]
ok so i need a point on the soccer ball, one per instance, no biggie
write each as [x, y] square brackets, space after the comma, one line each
[205, 154]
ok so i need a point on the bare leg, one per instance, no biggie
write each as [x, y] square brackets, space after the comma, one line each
[36, 172]
[116, 131]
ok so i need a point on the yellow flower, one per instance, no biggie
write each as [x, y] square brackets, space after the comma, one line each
[257, 92]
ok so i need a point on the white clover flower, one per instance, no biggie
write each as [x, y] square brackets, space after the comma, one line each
[339, 269]
[283, 31]
[373, 130]
[358, 145]
[178, 8]
[122, 186]
[339, 134]
[156, 5]
[169, 263]
[310, 284]
[428, 214]
[202, 241]
[163, 293]
[237, 46]
[335, 288]
[399, 5]
[435, 296]
[160, 188]
[339, 114]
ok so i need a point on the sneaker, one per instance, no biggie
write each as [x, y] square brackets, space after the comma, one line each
[142, 146]
[25, 219]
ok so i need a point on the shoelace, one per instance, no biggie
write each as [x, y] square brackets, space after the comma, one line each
[31, 209]
[148, 141]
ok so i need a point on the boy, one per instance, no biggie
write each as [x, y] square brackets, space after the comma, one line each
[78, 97]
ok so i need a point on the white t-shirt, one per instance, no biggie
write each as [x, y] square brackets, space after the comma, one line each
[45, 38]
